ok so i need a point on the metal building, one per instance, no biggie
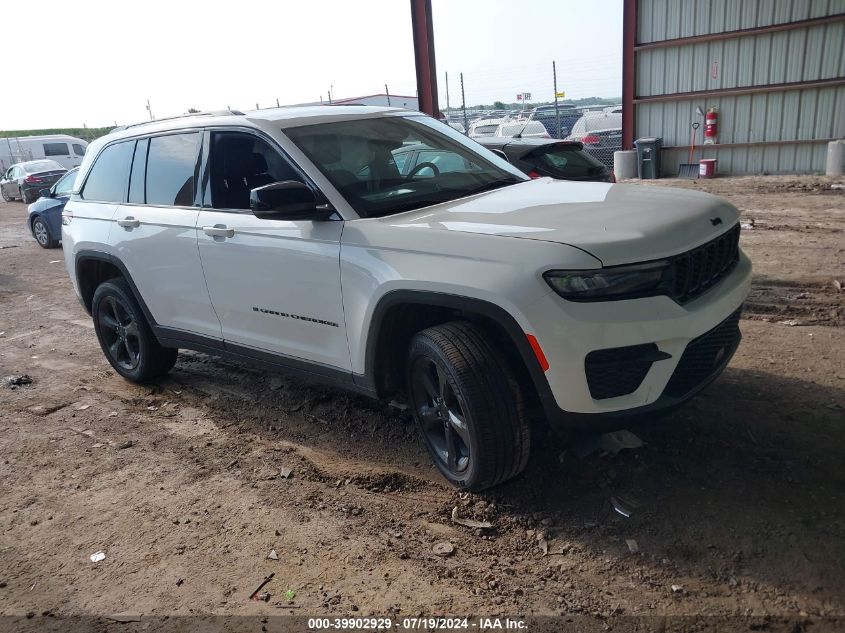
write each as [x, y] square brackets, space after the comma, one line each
[773, 69]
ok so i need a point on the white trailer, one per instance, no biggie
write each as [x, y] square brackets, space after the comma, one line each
[65, 150]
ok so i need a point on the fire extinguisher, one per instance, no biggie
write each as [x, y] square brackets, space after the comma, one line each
[711, 126]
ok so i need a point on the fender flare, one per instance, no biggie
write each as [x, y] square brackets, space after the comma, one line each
[92, 255]
[489, 310]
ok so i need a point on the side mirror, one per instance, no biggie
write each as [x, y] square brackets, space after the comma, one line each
[46, 193]
[287, 200]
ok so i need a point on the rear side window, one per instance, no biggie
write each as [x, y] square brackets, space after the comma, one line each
[78, 149]
[139, 170]
[107, 180]
[171, 169]
[56, 149]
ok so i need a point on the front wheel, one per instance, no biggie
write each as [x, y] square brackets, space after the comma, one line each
[125, 336]
[468, 406]
[6, 196]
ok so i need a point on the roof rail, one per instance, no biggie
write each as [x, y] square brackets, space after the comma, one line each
[179, 116]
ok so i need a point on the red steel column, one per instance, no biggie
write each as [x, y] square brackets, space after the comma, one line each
[629, 67]
[423, 29]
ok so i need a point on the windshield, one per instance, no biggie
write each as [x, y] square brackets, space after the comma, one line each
[41, 165]
[391, 164]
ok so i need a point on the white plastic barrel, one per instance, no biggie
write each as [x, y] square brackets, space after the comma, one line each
[625, 164]
[835, 158]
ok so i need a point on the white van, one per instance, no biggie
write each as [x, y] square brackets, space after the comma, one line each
[65, 150]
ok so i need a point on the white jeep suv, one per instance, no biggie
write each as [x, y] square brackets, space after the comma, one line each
[296, 238]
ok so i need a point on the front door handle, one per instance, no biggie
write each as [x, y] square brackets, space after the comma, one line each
[218, 230]
[129, 222]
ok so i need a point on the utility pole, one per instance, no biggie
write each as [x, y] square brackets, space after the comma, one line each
[277, 102]
[464, 106]
[557, 111]
[152, 118]
[447, 93]
[387, 92]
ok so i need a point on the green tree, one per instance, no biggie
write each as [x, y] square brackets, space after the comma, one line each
[498, 105]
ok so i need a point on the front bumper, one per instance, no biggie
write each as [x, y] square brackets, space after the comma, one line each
[672, 331]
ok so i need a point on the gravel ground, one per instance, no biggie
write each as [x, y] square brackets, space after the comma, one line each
[738, 496]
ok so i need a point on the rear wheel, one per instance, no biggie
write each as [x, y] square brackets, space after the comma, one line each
[42, 234]
[25, 197]
[468, 406]
[125, 336]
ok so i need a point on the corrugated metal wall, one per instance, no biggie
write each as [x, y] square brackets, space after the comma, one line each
[803, 54]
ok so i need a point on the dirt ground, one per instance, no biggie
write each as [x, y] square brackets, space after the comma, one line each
[738, 497]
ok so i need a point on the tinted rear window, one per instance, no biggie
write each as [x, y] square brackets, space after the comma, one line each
[107, 180]
[565, 162]
[171, 164]
[41, 165]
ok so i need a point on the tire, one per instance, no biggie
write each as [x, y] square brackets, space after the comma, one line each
[6, 196]
[468, 406]
[125, 336]
[25, 196]
[41, 233]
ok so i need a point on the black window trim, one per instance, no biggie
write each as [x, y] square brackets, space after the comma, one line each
[206, 169]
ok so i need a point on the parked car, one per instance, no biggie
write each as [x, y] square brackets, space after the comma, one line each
[24, 180]
[601, 134]
[65, 150]
[564, 160]
[521, 129]
[479, 297]
[484, 127]
[45, 214]
[546, 115]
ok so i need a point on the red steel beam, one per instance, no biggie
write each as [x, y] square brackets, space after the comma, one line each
[756, 30]
[629, 41]
[423, 30]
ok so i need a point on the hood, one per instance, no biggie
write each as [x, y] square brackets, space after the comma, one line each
[618, 224]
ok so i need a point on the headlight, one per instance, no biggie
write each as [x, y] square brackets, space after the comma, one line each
[616, 282]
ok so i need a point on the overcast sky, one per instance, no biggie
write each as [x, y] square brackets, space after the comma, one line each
[97, 62]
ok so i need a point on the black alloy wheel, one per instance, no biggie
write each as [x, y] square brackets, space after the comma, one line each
[441, 415]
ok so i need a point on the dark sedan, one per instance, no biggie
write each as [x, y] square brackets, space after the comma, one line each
[564, 160]
[45, 214]
[25, 180]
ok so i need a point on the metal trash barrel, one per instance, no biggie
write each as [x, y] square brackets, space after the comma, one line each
[648, 157]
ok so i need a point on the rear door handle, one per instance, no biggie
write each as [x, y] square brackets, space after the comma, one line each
[129, 222]
[219, 230]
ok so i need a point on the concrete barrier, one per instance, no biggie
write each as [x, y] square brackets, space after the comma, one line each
[625, 164]
[835, 158]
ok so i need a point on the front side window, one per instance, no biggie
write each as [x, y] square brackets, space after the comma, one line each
[171, 169]
[78, 149]
[65, 184]
[107, 180]
[240, 162]
[357, 157]
[56, 149]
